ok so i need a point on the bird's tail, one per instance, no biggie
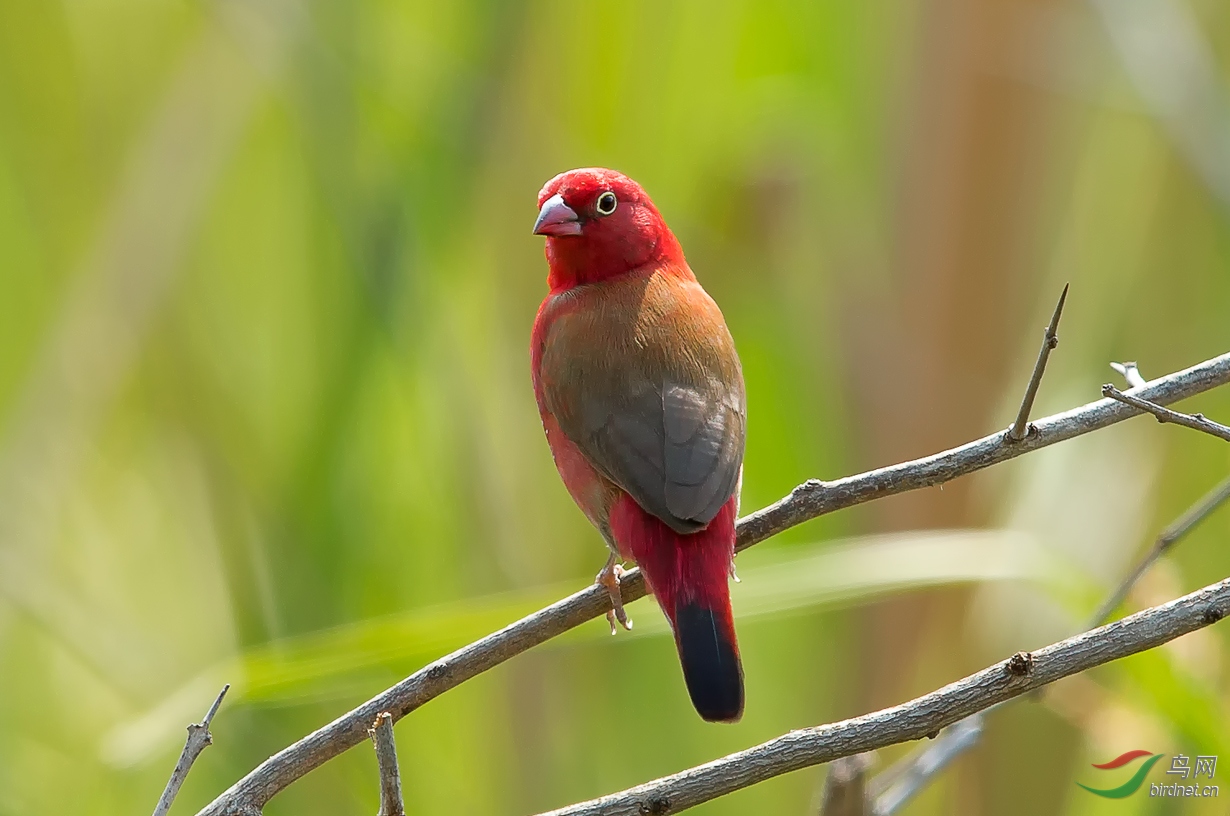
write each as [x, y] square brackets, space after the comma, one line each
[688, 574]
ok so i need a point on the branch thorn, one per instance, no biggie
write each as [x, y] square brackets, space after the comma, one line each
[198, 740]
[1050, 339]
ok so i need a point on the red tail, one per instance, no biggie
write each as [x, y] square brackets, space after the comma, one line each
[688, 575]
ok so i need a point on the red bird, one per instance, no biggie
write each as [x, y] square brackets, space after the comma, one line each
[641, 396]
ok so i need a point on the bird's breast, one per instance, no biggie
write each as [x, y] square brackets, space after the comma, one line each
[652, 326]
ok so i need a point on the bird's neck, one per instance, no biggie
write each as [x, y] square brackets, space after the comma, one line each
[579, 261]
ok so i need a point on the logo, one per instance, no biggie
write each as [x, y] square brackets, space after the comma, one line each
[1180, 765]
[1132, 785]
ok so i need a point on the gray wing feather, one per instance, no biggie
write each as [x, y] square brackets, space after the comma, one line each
[677, 452]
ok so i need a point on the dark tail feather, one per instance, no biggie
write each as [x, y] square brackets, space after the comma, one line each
[688, 575]
[710, 658]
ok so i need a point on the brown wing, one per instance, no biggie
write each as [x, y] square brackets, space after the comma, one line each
[646, 382]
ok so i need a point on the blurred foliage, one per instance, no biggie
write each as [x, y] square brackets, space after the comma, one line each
[266, 284]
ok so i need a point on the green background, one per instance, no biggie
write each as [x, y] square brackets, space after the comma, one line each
[266, 287]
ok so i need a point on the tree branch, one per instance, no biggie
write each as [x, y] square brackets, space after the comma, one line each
[807, 501]
[198, 740]
[845, 787]
[923, 716]
[1197, 422]
[1130, 372]
[917, 770]
[893, 788]
[815, 498]
[1020, 427]
[1168, 538]
[904, 780]
[381, 732]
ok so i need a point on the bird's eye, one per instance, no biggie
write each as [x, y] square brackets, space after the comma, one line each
[606, 203]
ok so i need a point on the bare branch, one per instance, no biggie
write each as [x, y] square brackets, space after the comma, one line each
[922, 766]
[904, 780]
[1198, 422]
[1049, 340]
[381, 732]
[815, 498]
[198, 739]
[1168, 538]
[845, 787]
[1130, 373]
[920, 717]
[807, 501]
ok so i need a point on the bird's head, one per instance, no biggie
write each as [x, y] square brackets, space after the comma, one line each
[600, 224]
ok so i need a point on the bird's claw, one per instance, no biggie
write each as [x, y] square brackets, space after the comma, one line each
[609, 578]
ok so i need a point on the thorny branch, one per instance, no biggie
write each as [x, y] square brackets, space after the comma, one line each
[1169, 537]
[1171, 64]
[892, 789]
[391, 803]
[807, 501]
[921, 717]
[1197, 422]
[1020, 426]
[912, 773]
[198, 740]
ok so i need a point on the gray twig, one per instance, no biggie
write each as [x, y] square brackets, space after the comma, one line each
[807, 501]
[896, 786]
[381, 732]
[1050, 339]
[920, 717]
[900, 783]
[198, 739]
[845, 787]
[1130, 372]
[1197, 422]
[1168, 538]
[923, 765]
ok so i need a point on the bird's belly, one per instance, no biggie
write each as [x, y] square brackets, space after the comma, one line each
[593, 493]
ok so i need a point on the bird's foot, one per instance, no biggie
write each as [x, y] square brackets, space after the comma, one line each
[609, 578]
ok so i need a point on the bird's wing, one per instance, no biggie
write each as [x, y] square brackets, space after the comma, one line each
[650, 389]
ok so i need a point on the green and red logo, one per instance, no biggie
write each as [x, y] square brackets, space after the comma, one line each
[1132, 785]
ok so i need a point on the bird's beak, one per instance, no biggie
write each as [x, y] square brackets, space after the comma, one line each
[557, 218]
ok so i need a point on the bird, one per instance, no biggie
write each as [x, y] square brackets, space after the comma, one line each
[641, 395]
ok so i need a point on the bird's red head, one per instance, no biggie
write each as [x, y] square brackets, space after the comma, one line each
[600, 224]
